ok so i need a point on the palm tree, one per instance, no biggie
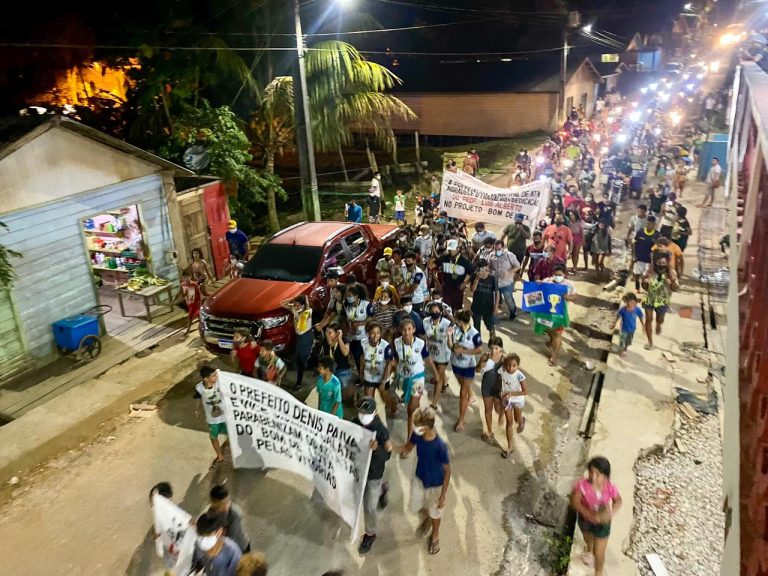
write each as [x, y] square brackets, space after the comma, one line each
[346, 96]
[271, 130]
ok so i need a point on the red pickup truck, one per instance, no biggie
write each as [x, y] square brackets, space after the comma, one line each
[293, 262]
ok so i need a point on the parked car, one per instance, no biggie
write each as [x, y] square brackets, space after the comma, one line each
[292, 262]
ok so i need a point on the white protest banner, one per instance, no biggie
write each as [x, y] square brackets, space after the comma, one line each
[269, 428]
[176, 541]
[468, 198]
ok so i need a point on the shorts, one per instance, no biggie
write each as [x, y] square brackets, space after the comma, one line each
[625, 340]
[489, 389]
[485, 316]
[344, 377]
[466, 373]
[640, 268]
[661, 311]
[423, 498]
[369, 384]
[514, 402]
[214, 430]
[413, 386]
[400, 215]
[596, 530]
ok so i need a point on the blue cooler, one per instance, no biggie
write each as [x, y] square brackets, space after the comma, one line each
[69, 332]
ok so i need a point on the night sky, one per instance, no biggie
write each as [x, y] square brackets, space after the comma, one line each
[491, 28]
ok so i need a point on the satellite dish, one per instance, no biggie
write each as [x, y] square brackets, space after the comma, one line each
[196, 157]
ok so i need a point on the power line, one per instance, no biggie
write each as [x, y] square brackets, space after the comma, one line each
[269, 49]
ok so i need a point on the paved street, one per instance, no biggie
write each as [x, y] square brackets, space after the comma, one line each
[483, 529]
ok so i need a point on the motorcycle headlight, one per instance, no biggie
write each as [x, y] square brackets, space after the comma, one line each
[567, 162]
[274, 321]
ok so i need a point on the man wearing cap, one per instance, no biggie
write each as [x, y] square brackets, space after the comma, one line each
[456, 270]
[516, 236]
[237, 240]
[375, 493]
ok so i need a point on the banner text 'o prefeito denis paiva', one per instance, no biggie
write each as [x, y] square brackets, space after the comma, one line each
[468, 198]
[270, 428]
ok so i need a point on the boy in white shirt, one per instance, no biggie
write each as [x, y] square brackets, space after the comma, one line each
[212, 401]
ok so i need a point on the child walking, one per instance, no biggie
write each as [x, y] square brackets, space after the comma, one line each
[400, 207]
[433, 474]
[211, 399]
[245, 351]
[513, 393]
[489, 364]
[626, 319]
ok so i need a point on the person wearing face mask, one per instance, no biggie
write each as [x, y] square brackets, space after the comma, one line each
[436, 327]
[410, 361]
[424, 244]
[533, 254]
[416, 282]
[457, 270]
[485, 298]
[589, 205]
[215, 554]
[305, 335]
[485, 252]
[659, 282]
[383, 312]
[334, 346]
[375, 491]
[357, 310]
[386, 287]
[505, 267]
[429, 487]
[559, 236]
[407, 311]
[554, 325]
[480, 235]
[466, 346]
[377, 354]
[545, 267]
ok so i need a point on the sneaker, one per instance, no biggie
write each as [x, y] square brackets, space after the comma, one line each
[367, 543]
[384, 496]
[513, 315]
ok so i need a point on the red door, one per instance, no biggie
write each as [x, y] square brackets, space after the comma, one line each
[217, 213]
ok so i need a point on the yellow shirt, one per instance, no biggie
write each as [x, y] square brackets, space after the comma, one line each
[673, 249]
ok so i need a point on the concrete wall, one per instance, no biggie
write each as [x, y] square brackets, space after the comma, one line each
[483, 114]
[582, 89]
[59, 163]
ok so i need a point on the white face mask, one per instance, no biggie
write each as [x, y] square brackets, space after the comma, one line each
[233, 230]
[407, 308]
[366, 419]
[385, 284]
[205, 543]
[558, 279]
[384, 302]
[419, 430]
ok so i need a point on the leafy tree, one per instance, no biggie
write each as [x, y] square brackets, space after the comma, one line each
[272, 131]
[228, 147]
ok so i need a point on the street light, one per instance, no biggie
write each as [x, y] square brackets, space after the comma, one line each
[309, 194]
[587, 29]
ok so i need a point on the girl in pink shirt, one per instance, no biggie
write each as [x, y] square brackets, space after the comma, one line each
[596, 500]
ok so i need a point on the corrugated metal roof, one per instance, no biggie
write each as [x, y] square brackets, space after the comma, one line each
[15, 132]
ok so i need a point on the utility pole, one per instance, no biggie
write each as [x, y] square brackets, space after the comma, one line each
[306, 149]
[573, 21]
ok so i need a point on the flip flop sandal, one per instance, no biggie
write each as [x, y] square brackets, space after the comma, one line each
[434, 547]
[506, 455]
[588, 559]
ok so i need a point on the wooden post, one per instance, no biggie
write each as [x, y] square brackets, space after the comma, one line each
[418, 152]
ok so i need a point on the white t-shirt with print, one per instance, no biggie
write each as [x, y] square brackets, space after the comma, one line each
[512, 383]
[436, 333]
[213, 403]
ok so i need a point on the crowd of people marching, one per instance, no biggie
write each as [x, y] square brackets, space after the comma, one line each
[442, 289]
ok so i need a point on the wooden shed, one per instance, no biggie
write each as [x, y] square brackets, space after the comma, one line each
[83, 209]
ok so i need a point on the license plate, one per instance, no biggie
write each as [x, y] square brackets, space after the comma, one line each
[226, 344]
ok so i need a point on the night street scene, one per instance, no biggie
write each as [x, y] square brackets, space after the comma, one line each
[384, 287]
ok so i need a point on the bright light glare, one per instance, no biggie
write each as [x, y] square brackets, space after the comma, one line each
[345, 3]
[635, 104]
[567, 162]
[604, 150]
[609, 120]
[675, 117]
[634, 116]
[587, 29]
[688, 6]
[686, 76]
[714, 66]
[664, 97]
[727, 39]
[543, 177]
[621, 138]
[690, 86]
[700, 76]
[653, 86]
[643, 90]
[597, 137]
[539, 160]
[656, 131]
